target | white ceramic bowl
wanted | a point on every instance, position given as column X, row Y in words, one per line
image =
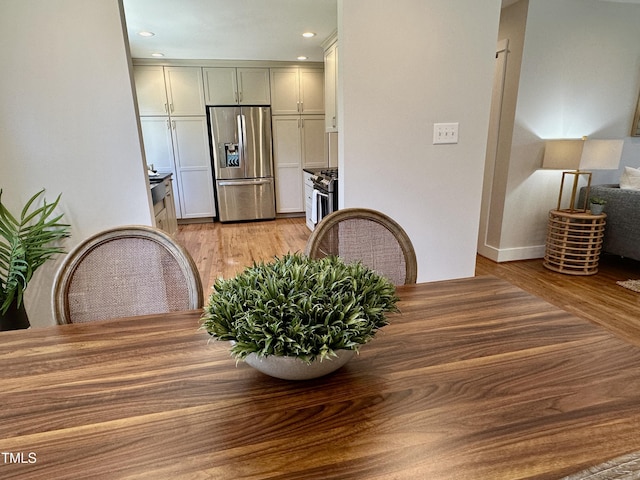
column 292, row 368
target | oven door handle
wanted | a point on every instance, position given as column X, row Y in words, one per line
column 315, row 205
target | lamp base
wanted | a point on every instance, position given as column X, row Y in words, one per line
column 574, row 189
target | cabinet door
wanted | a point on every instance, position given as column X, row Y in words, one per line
column 185, row 90
column 285, row 91
column 172, row 222
column 287, row 149
column 330, row 83
column 313, row 141
column 158, row 149
column 193, row 166
column 253, row 86
column 150, row 90
column 220, row 86
column 311, row 91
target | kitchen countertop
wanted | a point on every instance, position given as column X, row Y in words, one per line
column 156, row 185
column 158, row 178
column 314, row 170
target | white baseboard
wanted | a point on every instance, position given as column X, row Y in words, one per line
column 512, row 254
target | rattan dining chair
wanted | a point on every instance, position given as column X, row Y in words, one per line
column 369, row 236
column 123, row 272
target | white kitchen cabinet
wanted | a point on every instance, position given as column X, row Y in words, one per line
column 179, row 145
column 185, row 91
column 287, row 156
column 313, row 141
column 175, row 135
column 158, row 150
column 158, row 146
column 193, row 166
column 298, row 142
column 330, row 87
column 236, row 86
column 150, row 90
column 297, row 90
column 169, row 90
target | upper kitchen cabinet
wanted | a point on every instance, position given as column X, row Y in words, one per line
column 297, row 90
column 236, row 86
column 330, row 86
column 150, row 90
column 169, row 90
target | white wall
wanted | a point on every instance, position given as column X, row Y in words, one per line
column 405, row 65
column 580, row 75
column 68, row 121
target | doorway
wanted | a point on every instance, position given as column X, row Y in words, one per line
column 492, row 207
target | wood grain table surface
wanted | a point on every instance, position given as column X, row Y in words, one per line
column 474, row 379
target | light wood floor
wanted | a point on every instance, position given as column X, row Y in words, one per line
column 225, row 249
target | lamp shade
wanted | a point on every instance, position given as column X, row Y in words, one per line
column 581, row 154
column 601, row 155
column 562, row 154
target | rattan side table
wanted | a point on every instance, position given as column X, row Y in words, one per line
column 574, row 241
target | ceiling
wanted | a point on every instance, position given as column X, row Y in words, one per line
column 230, row 29
column 235, row 29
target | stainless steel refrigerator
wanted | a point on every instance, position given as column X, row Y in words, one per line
column 243, row 162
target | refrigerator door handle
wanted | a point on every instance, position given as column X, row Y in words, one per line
column 232, row 183
column 242, row 139
column 240, row 133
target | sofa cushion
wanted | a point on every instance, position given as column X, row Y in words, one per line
column 630, row 179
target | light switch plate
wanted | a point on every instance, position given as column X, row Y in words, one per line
column 445, row 133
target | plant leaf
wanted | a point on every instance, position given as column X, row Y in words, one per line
column 26, row 244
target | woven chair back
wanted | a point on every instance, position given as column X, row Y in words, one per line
column 368, row 236
column 124, row 272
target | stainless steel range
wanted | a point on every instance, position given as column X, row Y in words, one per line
column 325, row 193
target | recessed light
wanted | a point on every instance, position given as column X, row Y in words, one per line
column 146, row 34
column 308, row 34
column 302, row 57
column 157, row 54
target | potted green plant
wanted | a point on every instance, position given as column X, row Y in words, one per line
column 596, row 205
column 296, row 317
column 25, row 244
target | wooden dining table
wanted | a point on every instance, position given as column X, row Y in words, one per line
column 473, row 379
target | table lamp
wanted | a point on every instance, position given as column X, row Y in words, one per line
column 578, row 157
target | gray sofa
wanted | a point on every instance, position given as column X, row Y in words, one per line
column 622, row 230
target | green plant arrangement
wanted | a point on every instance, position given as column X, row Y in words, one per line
column 25, row 244
column 295, row 306
column 597, row 201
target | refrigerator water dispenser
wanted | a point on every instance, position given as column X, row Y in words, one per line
column 231, row 155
